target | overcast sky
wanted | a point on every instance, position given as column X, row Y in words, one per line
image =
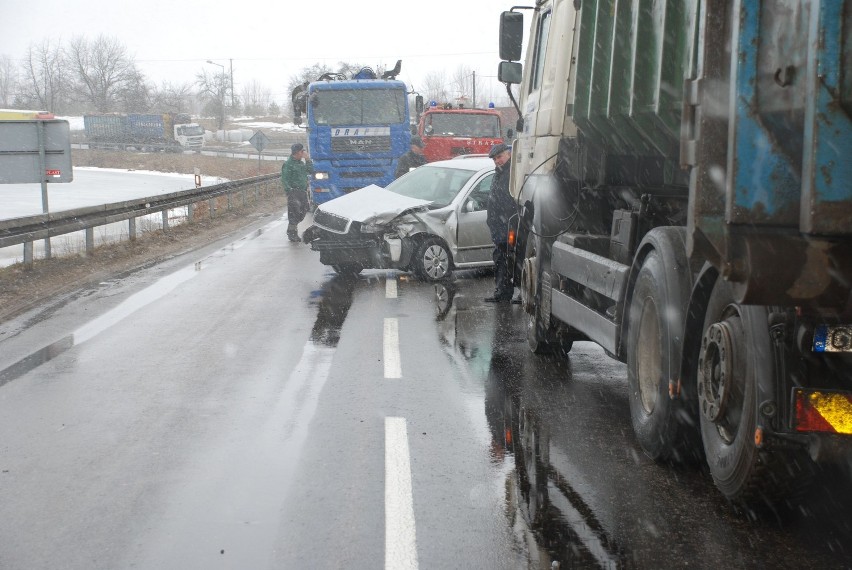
column 272, row 40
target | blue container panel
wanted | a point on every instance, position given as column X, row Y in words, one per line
column 789, row 166
column 146, row 126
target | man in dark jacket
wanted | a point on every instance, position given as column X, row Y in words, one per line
column 294, row 177
column 411, row 159
column 501, row 207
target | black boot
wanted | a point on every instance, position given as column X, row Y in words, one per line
column 292, row 234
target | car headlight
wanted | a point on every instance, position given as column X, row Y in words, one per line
column 369, row 228
column 321, row 176
column 404, row 229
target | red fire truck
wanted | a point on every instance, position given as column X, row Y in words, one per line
column 448, row 132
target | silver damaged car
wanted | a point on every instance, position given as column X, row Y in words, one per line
column 431, row 221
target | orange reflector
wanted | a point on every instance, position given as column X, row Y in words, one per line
column 758, row 437
column 511, row 240
column 823, row 411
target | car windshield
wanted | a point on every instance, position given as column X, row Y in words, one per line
column 437, row 184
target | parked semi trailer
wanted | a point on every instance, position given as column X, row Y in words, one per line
column 161, row 131
column 684, row 183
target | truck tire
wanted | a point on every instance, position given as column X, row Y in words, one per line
column 653, row 340
column 736, row 355
column 433, row 261
column 541, row 339
column 537, row 338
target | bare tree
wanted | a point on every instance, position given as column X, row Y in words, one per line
column 213, row 90
column 462, row 85
column 435, row 84
column 102, row 70
column 44, row 83
column 8, row 80
column 256, row 98
column 135, row 95
column 172, row 97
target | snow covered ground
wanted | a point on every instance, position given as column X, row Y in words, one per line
column 76, row 124
column 91, row 187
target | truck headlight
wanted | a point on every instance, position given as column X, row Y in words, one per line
column 320, row 175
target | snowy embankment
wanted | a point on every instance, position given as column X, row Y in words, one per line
column 93, row 187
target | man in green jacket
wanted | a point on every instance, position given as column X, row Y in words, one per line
column 294, row 177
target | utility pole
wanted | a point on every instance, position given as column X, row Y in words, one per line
column 474, row 90
column 232, row 82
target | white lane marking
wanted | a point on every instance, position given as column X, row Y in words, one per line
column 400, row 533
column 393, row 365
column 390, row 288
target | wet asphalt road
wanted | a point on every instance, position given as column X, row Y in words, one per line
column 246, row 408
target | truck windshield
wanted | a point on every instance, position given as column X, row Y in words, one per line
column 461, row 125
column 358, row 106
column 190, row 130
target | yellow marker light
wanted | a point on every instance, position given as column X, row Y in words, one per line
column 824, row 411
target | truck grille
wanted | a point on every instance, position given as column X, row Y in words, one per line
column 360, row 144
column 330, row 221
column 356, row 174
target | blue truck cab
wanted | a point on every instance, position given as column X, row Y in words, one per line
column 358, row 129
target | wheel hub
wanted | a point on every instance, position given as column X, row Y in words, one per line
column 435, row 262
column 715, row 370
column 528, row 283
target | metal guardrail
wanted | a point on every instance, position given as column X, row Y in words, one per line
column 26, row 230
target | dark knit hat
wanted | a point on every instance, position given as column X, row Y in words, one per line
column 298, row 147
column 497, row 149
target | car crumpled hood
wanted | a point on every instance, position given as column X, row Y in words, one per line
column 372, row 204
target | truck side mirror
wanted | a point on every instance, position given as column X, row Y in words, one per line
column 510, row 72
column 510, row 134
column 511, row 36
column 418, row 104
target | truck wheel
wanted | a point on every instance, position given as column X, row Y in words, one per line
column 737, row 355
column 653, row 347
column 531, row 300
column 432, row 262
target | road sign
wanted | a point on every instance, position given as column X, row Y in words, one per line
column 259, row 141
column 30, row 156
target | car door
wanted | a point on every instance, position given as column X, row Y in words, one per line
column 474, row 238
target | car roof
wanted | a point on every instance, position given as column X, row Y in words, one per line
column 477, row 163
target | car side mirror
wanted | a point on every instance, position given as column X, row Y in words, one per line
column 471, row 206
column 428, row 130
